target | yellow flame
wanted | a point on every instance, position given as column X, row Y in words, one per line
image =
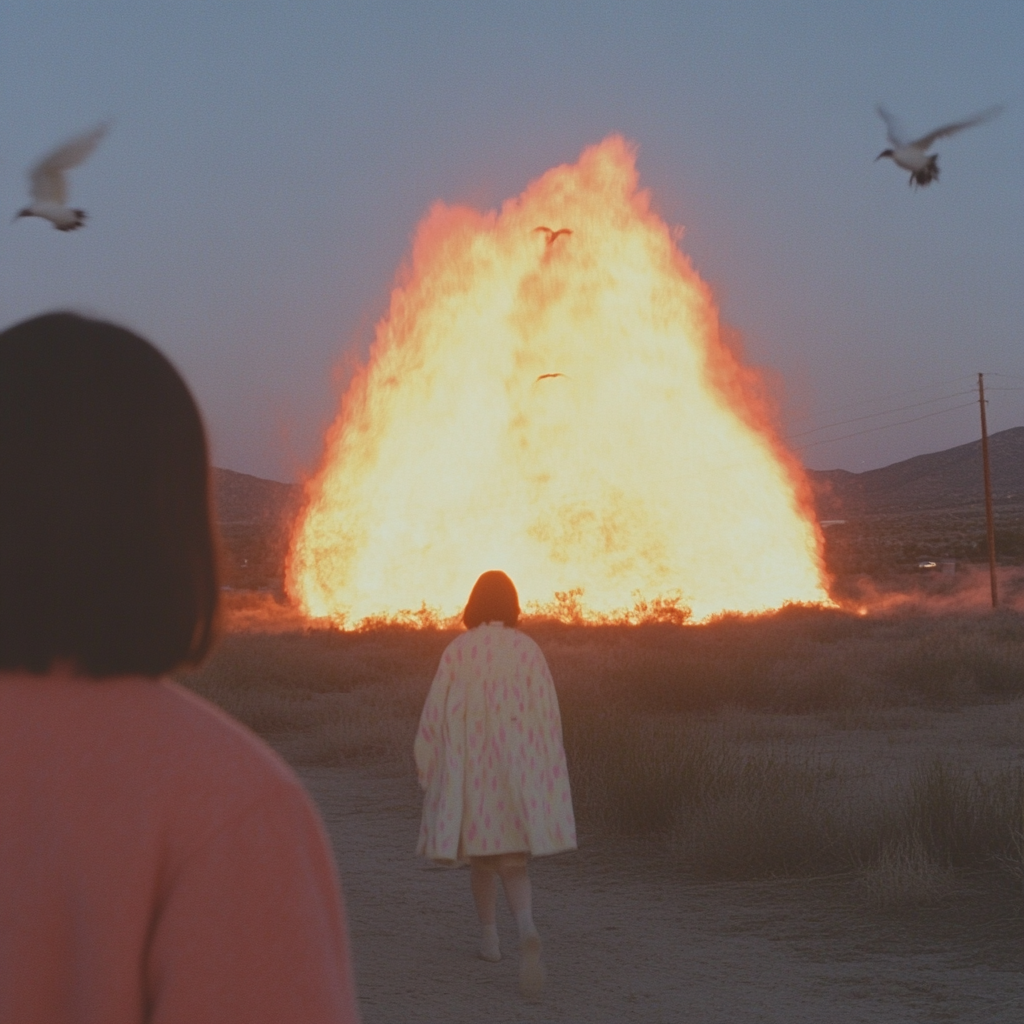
column 562, row 408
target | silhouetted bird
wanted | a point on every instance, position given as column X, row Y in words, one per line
column 914, row 156
column 48, row 184
column 552, row 234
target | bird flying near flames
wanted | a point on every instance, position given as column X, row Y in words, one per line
column 551, row 234
column 914, row 156
column 656, row 485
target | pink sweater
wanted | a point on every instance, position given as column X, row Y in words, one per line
column 157, row 863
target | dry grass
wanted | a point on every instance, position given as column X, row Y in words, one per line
column 795, row 660
column 727, row 806
column 319, row 698
column 905, row 875
column 703, row 740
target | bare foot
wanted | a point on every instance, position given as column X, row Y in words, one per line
column 489, row 948
column 531, row 970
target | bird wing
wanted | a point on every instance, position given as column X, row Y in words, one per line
column 957, row 126
column 46, row 179
column 893, row 129
column 926, row 140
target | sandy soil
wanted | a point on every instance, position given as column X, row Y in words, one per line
column 628, row 940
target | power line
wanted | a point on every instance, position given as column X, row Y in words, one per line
column 884, row 426
column 962, row 378
column 875, row 415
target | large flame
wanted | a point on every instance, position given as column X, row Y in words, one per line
column 562, row 408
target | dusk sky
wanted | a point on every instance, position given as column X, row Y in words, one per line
column 269, row 162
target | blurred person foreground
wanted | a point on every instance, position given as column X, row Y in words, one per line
column 157, row 861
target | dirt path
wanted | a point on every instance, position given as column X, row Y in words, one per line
column 625, row 942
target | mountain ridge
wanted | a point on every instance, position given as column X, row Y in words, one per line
column 877, row 521
column 948, row 479
column 244, row 498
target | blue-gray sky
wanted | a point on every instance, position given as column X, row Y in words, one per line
column 269, row 162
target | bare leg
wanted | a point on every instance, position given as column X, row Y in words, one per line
column 519, row 893
column 481, row 881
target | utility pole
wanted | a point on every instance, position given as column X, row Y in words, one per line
column 990, row 524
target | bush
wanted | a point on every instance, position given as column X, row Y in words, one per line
column 727, row 812
column 959, row 666
column 645, row 759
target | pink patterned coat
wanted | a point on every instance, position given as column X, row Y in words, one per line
column 489, row 752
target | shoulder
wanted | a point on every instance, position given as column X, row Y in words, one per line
column 142, row 726
column 459, row 642
column 460, row 647
column 141, row 754
column 210, row 744
column 522, row 645
column 506, row 643
column 216, row 775
column 193, row 756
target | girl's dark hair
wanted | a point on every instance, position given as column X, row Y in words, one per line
column 494, row 599
column 107, row 553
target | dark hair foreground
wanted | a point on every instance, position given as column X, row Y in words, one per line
column 493, row 599
column 107, row 557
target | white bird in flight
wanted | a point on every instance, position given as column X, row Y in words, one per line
column 48, row 183
column 914, row 156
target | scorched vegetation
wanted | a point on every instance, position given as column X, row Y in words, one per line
column 805, row 742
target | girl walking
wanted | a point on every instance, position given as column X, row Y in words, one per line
column 490, row 760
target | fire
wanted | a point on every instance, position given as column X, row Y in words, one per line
column 559, row 405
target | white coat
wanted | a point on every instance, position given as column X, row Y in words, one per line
column 489, row 752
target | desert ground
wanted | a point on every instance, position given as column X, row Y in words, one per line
column 625, row 940
column 801, row 818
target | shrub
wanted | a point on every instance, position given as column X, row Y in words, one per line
column 645, row 759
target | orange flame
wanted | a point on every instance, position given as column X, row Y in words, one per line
column 560, row 406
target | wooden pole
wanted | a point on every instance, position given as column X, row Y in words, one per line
column 989, row 522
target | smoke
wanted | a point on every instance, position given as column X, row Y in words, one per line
column 968, row 590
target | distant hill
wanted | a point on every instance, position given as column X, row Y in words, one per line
column 930, row 506
column 922, row 509
column 255, row 517
column 946, row 480
column 241, row 498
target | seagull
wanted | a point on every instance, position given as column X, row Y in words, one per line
column 914, row 156
column 48, row 184
column 552, row 235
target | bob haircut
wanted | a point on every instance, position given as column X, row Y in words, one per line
column 107, row 553
column 493, row 599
